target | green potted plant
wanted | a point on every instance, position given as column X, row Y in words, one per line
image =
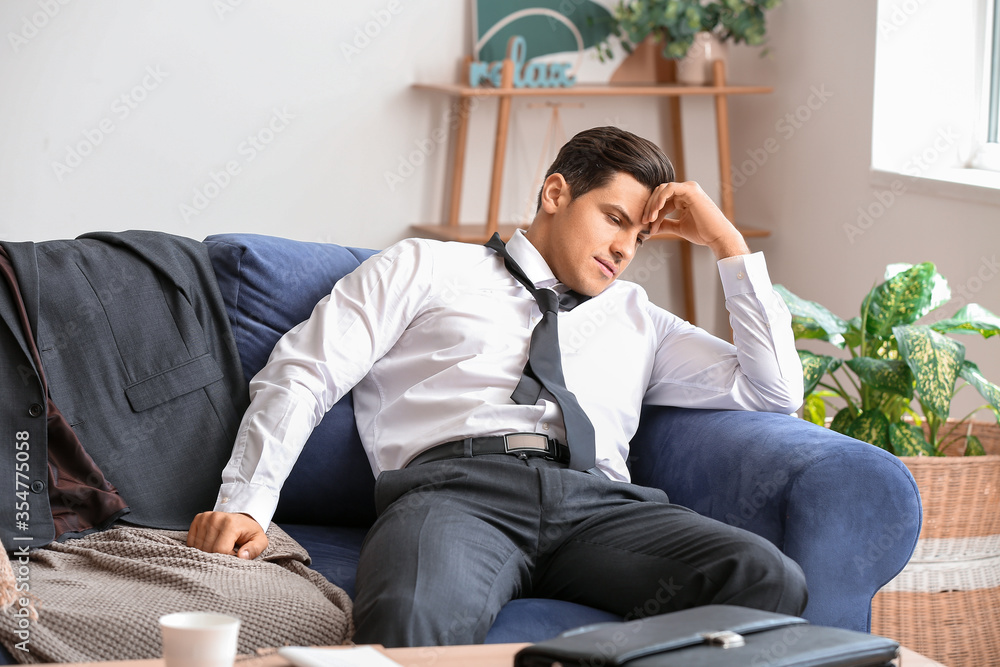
column 675, row 23
column 894, row 389
column 900, row 376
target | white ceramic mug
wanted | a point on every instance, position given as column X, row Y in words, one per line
column 199, row 639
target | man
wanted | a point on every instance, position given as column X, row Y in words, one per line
column 433, row 338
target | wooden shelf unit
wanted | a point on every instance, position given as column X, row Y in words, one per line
column 591, row 90
column 453, row 230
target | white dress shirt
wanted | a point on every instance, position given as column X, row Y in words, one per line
column 433, row 336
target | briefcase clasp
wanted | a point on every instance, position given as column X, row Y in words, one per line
column 724, row 639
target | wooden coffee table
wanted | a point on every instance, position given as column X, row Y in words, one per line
column 484, row 655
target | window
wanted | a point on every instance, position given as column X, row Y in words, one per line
column 994, row 78
column 935, row 104
column 988, row 156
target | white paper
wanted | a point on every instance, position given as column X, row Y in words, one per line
column 361, row 656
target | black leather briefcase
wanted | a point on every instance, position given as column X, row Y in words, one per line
column 711, row 636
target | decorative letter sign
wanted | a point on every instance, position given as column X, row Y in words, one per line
column 526, row 75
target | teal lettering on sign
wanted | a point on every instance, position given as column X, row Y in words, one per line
column 526, row 74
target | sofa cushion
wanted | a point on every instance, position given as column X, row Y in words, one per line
column 535, row 620
column 269, row 285
column 334, row 551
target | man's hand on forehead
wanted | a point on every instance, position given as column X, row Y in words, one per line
column 685, row 210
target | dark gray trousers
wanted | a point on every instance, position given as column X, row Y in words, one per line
column 455, row 540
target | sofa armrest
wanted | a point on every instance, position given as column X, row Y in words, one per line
column 847, row 512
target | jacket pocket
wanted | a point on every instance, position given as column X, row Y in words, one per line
column 171, row 383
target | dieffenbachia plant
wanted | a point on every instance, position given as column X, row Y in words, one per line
column 895, row 363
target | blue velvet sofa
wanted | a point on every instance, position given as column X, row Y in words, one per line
column 847, row 512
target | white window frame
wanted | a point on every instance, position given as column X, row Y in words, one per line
column 988, row 156
column 932, row 98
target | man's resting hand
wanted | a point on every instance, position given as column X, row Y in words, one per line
column 225, row 533
column 697, row 218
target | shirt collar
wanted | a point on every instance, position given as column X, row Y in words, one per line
column 531, row 261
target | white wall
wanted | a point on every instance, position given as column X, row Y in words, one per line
column 225, row 76
column 332, row 111
column 352, row 116
column 332, row 124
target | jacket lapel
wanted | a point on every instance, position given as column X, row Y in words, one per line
column 22, row 257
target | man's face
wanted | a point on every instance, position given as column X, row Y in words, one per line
column 588, row 241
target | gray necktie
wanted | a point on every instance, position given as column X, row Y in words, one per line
column 544, row 366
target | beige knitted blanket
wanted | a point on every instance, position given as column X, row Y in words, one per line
column 99, row 597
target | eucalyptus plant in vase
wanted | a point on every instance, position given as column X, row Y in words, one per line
column 675, row 23
column 896, row 387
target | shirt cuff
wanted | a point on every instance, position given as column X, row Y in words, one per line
column 743, row 274
column 255, row 500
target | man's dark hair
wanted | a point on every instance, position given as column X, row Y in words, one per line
column 592, row 158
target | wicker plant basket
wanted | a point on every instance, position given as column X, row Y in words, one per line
column 946, row 603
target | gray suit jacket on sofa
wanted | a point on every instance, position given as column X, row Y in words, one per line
column 139, row 357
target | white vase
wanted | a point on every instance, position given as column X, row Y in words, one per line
column 696, row 67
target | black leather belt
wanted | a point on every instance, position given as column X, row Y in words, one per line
column 521, row 445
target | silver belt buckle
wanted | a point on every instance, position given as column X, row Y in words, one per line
column 527, row 442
